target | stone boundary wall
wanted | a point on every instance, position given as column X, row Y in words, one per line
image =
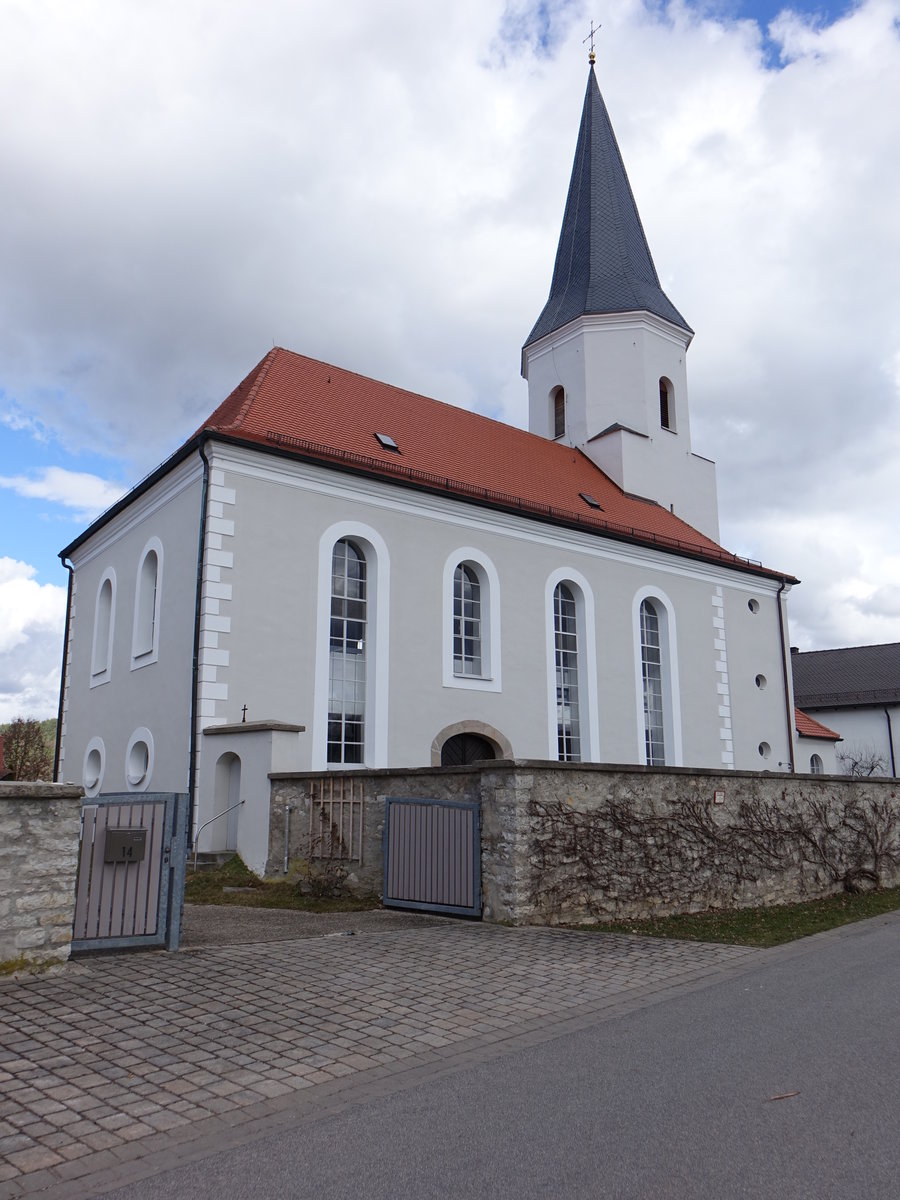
column 575, row 843
column 40, row 827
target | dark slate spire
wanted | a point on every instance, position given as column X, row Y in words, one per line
column 603, row 262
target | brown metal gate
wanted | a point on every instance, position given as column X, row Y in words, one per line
column 131, row 865
column 432, row 855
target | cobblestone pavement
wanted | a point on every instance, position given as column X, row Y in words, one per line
column 121, row 1058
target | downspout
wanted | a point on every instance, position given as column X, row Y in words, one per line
column 887, row 714
column 195, row 666
column 788, row 707
column 62, row 677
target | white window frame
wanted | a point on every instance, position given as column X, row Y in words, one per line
column 373, row 547
column 674, row 751
column 101, row 656
column 142, row 655
column 489, row 581
column 589, row 721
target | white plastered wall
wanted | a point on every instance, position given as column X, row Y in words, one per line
column 153, row 694
column 274, row 612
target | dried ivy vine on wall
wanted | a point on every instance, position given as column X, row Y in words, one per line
column 621, row 857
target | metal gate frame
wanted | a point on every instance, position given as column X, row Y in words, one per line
column 112, row 895
column 431, row 864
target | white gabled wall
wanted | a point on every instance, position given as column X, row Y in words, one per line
column 143, row 701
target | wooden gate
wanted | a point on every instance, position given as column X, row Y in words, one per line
column 130, row 888
column 432, row 855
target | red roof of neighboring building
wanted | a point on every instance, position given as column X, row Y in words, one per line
column 310, row 409
column 808, row 726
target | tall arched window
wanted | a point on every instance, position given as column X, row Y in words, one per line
column 666, row 404
column 558, row 399
column 816, row 766
column 347, row 655
column 148, row 591
column 651, row 670
column 470, row 650
column 565, row 635
column 104, row 615
column 466, row 621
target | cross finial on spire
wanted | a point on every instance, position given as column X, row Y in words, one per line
column 590, row 38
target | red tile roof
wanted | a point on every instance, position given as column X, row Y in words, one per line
column 313, row 410
column 808, row 726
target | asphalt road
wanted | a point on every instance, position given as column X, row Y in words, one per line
column 783, row 1082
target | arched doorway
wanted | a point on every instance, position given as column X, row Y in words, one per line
column 464, row 748
column 228, row 797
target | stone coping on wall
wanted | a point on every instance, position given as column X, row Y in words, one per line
column 255, row 727
column 24, row 790
column 530, row 764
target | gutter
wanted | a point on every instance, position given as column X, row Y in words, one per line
column 65, row 663
column 887, row 714
column 195, row 664
column 785, row 651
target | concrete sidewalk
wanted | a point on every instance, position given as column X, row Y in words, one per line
column 115, row 1067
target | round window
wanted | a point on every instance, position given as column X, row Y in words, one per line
column 139, row 760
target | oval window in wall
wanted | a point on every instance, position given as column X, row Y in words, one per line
column 139, row 760
column 94, row 766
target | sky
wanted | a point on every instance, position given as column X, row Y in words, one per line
column 186, row 183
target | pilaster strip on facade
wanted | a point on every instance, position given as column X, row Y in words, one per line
column 720, row 650
column 215, row 600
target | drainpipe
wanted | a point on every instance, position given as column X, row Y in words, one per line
column 788, row 707
column 195, row 667
column 62, row 678
column 887, row 715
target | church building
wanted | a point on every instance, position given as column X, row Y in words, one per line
column 335, row 573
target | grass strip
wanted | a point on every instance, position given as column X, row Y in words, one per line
column 214, row 885
column 763, row 926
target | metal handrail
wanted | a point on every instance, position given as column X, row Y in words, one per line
column 224, row 813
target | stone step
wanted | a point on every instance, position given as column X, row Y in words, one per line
column 207, row 860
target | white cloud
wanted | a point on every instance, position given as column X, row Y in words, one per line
column 88, row 494
column 189, row 183
column 32, row 616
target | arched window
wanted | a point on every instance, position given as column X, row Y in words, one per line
column 565, row 635
column 558, row 399
column 666, row 405
column 347, row 655
column 816, row 766
column 104, row 616
column 466, row 621
column 470, row 654
column 652, row 673
column 148, row 591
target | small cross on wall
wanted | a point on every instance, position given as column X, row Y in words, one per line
column 244, row 715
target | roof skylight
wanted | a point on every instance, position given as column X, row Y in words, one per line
column 387, row 442
column 590, row 501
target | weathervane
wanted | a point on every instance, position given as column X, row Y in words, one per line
column 590, row 38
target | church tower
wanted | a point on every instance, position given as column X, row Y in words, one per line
column 605, row 362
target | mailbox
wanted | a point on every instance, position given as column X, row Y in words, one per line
column 125, row 845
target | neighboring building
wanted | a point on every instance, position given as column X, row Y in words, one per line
column 816, row 747
column 334, row 572
column 856, row 690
